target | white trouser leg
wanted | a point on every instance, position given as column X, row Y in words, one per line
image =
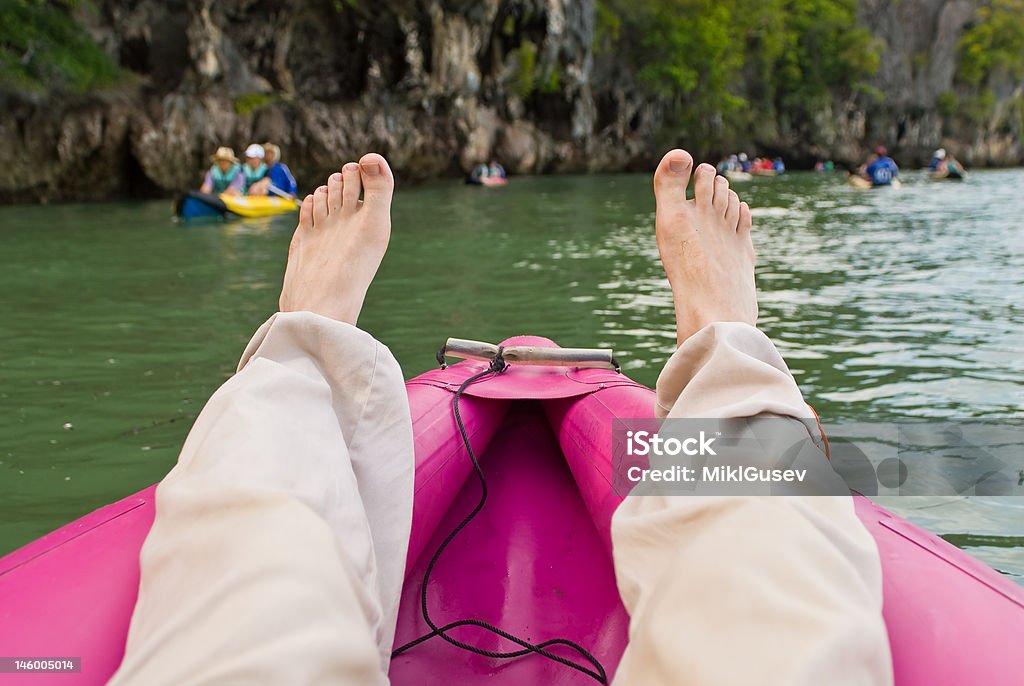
column 279, row 544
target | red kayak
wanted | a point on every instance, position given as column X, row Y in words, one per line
column 536, row 561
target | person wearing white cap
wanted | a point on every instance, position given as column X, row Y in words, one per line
column 279, row 180
column 254, row 168
column 937, row 157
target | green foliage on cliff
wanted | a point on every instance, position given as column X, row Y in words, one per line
column 994, row 45
column 526, row 56
column 727, row 63
column 947, row 103
column 42, row 49
column 250, row 102
column 978, row 109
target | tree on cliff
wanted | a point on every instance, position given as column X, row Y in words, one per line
column 730, row 67
column 43, row 50
column 991, row 59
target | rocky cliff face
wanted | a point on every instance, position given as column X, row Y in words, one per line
column 920, row 40
column 436, row 85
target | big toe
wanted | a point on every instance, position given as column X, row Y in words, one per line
column 671, row 179
column 378, row 181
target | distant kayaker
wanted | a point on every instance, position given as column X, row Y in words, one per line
column 495, row 170
column 225, row 176
column 946, row 166
column 279, row 179
column 279, row 546
column 479, row 173
column 277, row 171
column 881, row 170
column 490, row 174
column 255, row 168
column 954, row 168
column 730, row 163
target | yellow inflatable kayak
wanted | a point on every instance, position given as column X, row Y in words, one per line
column 196, row 204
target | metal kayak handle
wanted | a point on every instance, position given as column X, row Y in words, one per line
column 594, row 358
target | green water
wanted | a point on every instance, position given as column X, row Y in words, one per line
column 119, row 322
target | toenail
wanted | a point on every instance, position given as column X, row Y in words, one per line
column 676, row 166
column 371, row 168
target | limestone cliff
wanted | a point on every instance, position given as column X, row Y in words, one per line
column 436, row 85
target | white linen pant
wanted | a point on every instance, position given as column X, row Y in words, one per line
column 278, row 550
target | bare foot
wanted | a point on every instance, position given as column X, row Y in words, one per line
column 705, row 246
column 340, row 241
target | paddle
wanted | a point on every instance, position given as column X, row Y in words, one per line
column 284, row 194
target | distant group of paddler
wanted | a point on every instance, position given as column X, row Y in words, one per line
column 878, row 170
column 263, row 174
column 739, row 166
column 259, row 186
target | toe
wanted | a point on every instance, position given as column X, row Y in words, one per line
column 732, row 210
column 351, row 187
column 334, row 193
column 704, row 185
column 671, row 179
column 721, row 199
column 306, row 213
column 319, row 205
column 378, row 181
column 745, row 221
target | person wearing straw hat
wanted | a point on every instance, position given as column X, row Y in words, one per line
column 225, row 176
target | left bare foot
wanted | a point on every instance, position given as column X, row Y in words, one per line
column 340, row 241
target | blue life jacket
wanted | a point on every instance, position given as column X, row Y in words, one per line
column 282, row 179
column 882, row 171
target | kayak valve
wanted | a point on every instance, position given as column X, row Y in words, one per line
column 595, row 358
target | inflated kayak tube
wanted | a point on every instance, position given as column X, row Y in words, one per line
column 528, row 354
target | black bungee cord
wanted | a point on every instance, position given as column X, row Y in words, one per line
column 496, row 367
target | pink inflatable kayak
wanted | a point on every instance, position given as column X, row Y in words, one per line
column 535, row 562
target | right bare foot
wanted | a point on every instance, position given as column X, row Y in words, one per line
column 705, row 246
column 340, row 241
